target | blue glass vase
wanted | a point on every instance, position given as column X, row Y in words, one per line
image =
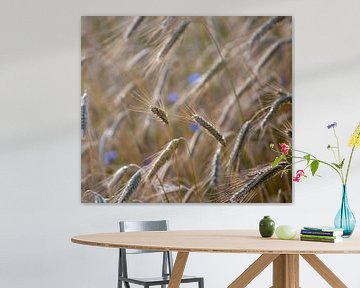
column 345, row 219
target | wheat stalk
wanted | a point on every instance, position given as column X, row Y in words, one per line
column 264, row 28
column 269, row 53
column 163, row 157
column 167, row 21
column 130, row 187
column 245, row 86
column 156, row 99
column 212, row 71
column 194, row 142
column 260, row 177
column 109, row 133
column 116, row 123
column 239, row 143
column 160, row 114
column 123, row 93
column 173, row 39
column 119, row 174
column 210, row 128
column 84, row 114
column 137, row 58
column 97, row 198
column 249, row 81
column 206, row 78
column 215, row 169
column 285, row 131
column 275, row 106
column 133, row 26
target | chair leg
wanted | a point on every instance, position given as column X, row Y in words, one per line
column 201, row 283
column 120, row 273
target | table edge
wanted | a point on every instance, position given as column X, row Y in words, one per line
column 203, row 250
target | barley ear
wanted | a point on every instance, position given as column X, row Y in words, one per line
column 133, row 26
column 264, row 28
column 164, row 156
column 210, row 128
column 245, row 193
column 238, row 145
column 275, row 106
column 130, row 187
column 215, row 170
column 84, row 114
column 173, row 39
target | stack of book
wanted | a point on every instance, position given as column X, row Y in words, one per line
column 321, row 234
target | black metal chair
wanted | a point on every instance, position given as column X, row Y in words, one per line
column 167, row 265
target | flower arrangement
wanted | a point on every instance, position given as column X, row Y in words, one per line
column 286, row 154
column 344, row 219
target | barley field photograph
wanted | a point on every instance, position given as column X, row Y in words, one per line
column 178, row 109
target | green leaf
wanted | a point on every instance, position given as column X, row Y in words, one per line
column 277, row 161
column 342, row 163
column 314, row 166
column 339, row 166
column 336, row 165
column 307, row 158
column 272, row 145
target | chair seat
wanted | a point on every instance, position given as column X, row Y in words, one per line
column 158, row 280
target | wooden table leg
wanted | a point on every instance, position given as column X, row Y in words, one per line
column 324, row 271
column 253, row 270
column 293, row 261
column 178, row 269
column 286, row 271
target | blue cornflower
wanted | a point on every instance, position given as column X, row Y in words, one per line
column 332, row 125
column 109, row 156
column 194, row 78
column 173, row 97
column 193, row 127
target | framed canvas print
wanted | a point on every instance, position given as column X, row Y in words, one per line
column 178, row 109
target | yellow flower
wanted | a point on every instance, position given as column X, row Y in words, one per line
column 355, row 138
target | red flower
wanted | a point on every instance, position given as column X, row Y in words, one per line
column 299, row 175
column 285, row 148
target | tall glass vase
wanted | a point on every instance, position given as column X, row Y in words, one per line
column 345, row 219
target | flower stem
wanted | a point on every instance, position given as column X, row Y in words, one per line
column 337, row 145
column 339, row 155
column 323, row 162
column 348, row 167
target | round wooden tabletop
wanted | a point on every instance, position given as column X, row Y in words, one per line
column 220, row 241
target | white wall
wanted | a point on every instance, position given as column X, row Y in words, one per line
column 40, row 147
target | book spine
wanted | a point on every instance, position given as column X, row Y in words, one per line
column 319, row 233
column 317, row 240
column 318, row 236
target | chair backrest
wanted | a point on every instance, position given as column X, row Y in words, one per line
column 138, row 226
